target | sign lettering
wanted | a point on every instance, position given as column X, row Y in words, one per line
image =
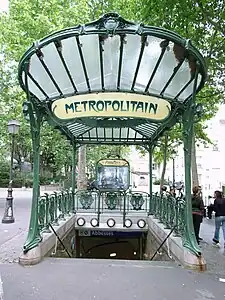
column 111, row 105
column 110, row 162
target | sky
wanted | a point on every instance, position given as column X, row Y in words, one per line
column 3, row 5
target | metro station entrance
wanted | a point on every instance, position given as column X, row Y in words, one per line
column 109, row 244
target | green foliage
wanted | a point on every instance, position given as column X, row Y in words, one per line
column 28, row 20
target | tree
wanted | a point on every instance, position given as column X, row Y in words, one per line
column 203, row 23
column 26, row 22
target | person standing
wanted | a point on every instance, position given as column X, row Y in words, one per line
column 219, row 208
column 197, row 211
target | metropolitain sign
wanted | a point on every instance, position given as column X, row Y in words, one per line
column 111, row 105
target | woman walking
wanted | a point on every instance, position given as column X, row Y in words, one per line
column 197, row 211
column 219, row 208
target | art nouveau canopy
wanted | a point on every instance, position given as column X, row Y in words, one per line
column 112, row 81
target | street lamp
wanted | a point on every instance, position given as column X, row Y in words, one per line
column 13, row 128
column 173, row 158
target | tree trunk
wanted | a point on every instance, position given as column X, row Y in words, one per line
column 164, row 161
column 194, row 170
column 82, row 179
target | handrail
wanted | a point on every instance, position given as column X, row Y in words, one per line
column 53, row 208
column 56, row 206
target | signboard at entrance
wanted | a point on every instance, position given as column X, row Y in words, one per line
column 111, row 105
column 113, row 162
column 113, row 174
column 100, row 233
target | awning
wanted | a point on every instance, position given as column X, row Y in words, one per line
column 112, row 81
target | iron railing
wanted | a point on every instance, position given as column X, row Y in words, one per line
column 168, row 210
column 54, row 207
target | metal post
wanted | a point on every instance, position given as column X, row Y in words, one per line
column 173, row 172
column 150, row 153
column 8, row 215
column 34, row 237
column 150, row 169
column 73, row 174
column 188, row 122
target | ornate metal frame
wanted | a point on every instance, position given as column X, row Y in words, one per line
column 146, row 132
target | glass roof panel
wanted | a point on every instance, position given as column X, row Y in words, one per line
column 89, row 46
column 55, row 66
column 40, row 75
column 164, row 71
column 72, row 58
column 189, row 89
column 116, row 57
column 132, row 45
column 110, row 47
column 151, row 53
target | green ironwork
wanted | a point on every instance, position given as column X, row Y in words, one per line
column 150, row 155
column 34, row 236
column 85, row 198
column 53, row 208
column 94, row 77
column 73, row 173
column 188, row 124
column 112, row 200
column 137, row 201
column 121, row 97
column 170, row 211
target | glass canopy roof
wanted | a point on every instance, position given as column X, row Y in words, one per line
column 112, row 81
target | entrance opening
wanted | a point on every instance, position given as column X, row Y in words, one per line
column 129, row 248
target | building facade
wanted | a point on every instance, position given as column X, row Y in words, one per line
column 210, row 161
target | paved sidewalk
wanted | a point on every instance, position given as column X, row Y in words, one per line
column 13, row 236
column 215, row 257
column 87, row 279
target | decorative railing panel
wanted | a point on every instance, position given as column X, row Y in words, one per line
column 57, row 206
column 169, row 210
column 54, row 207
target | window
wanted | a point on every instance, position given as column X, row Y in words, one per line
column 154, row 166
column 199, row 166
column 215, row 147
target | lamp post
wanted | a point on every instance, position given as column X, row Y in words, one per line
column 13, row 128
column 173, row 158
column 23, row 173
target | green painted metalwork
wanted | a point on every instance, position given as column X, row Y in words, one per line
column 170, row 212
column 50, row 87
column 44, row 86
column 73, row 173
column 34, row 236
column 112, row 200
column 188, row 123
column 85, row 198
column 53, row 208
column 137, row 201
column 150, row 155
